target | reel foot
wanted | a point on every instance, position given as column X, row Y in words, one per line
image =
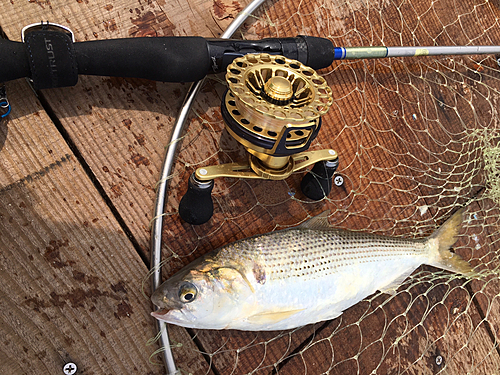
column 196, row 206
column 317, row 183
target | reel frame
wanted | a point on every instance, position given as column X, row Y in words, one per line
column 273, row 107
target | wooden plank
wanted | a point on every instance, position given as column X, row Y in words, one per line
column 124, row 151
column 71, row 280
column 121, row 126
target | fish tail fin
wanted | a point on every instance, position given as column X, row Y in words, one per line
column 442, row 240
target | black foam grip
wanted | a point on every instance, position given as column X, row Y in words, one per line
column 13, row 61
column 167, row 59
column 319, row 52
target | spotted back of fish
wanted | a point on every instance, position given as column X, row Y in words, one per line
column 310, row 254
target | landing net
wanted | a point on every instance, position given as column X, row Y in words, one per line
column 417, row 138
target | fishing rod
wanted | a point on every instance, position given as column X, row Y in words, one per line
column 49, row 56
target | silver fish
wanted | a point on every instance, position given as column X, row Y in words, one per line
column 297, row 276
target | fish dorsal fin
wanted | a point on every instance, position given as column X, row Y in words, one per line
column 271, row 317
column 318, row 222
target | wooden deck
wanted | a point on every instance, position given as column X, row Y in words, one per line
column 79, row 166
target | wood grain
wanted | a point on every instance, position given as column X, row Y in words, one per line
column 71, row 280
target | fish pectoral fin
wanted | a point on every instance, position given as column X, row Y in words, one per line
column 394, row 284
column 272, row 316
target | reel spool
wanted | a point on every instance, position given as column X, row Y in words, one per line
column 273, row 107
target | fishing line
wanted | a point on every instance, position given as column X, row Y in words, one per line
column 151, row 271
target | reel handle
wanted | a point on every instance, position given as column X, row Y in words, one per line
column 317, row 183
column 196, row 206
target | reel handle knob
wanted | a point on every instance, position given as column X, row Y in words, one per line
column 317, row 183
column 196, row 206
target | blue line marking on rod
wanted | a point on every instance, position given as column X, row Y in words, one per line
column 338, row 53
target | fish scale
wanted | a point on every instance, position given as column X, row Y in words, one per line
column 311, row 254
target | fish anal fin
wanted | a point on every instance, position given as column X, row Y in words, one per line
column 271, row 317
column 395, row 284
column 318, row 222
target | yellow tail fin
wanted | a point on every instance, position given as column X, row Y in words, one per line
column 444, row 238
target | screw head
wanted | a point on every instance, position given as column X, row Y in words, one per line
column 338, row 180
column 439, row 360
column 69, row 368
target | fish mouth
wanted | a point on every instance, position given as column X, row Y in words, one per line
column 160, row 314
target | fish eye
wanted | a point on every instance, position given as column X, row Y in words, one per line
column 187, row 292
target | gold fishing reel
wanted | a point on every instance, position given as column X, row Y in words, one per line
column 273, row 107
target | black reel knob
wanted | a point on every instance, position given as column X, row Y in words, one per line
column 196, row 206
column 317, row 183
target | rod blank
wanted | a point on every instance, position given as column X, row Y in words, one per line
column 377, row 52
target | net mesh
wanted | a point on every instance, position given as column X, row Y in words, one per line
column 417, row 138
